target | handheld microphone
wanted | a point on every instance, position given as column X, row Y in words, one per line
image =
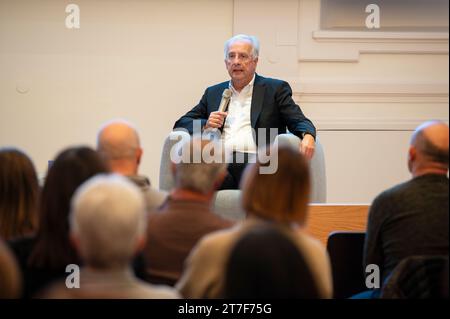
column 225, row 100
column 214, row 133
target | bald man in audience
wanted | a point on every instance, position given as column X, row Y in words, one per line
column 412, row 218
column 118, row 142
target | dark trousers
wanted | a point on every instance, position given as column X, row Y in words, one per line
column 236, row 169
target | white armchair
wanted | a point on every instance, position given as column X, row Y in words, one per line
column 227, row 202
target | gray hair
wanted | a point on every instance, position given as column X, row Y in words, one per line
column 243, row 38
column 203, row 162
column 119, row 147
column 108, row 218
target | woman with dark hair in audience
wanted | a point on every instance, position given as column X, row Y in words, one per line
column 19, row 193
column 10, row 277
column 44, row 257
column 265, row 263
column 279, row 197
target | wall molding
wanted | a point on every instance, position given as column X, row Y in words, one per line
column 401, row 104
column 380, row 37
column 370, row 92
column 371, row 124
column 373, row 98
column 318, row 45
column 353, row 44
column 331, row 46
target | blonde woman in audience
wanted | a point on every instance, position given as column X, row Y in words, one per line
column 108, row 222
column 280, row 198
column 19, row 194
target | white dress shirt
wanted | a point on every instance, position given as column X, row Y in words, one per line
column 237, row 131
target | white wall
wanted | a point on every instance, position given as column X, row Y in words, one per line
column 366, row 91
column 149, row 61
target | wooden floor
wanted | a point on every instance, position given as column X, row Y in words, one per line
column 326, row 218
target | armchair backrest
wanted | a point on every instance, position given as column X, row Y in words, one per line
column 165, row 175
column 318, row 173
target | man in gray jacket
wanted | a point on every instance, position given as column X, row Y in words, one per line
column 412, row 218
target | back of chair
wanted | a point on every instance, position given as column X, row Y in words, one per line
column 165, row 175
column 230, row 199
column 318, row 171
column 227, row 203
column 346, row 256
column 418, row 277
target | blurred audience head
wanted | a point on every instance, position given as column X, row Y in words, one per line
column 70, row 169
column 428, row 152
column 282, row 196
column 108, row 221
column 10, row 276
column 265, row 263
column 118, row 142
column 19, row 194
column 202, row 167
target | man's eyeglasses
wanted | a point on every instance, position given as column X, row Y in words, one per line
column 243, row 57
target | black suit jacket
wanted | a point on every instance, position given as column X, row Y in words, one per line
column 272, row 107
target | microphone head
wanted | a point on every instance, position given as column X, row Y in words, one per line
column 226, row 93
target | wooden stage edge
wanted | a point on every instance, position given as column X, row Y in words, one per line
column 324, row 219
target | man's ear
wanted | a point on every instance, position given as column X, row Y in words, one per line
column 139, row 153
column 140, row 244
column 412, row 154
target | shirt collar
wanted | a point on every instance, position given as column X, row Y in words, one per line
column 247, row 88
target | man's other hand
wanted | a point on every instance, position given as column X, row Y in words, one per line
column 307, row 146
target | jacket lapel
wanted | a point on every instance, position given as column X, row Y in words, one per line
column 257, row 100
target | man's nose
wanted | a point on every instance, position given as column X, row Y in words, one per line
column 236, row 61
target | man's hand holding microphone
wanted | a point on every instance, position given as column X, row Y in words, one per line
column 217, row 118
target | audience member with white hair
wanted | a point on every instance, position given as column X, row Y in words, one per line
column 108, row 222
column 118, row 142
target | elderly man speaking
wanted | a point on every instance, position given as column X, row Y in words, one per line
column 248, row 109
